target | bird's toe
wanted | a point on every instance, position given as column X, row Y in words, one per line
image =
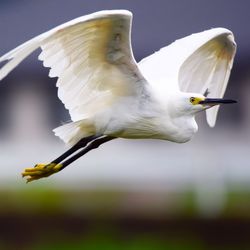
column 40, row 171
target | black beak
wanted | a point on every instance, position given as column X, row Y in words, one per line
column 216, row 101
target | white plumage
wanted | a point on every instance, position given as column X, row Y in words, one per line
column 108, row 93
column 197, row 63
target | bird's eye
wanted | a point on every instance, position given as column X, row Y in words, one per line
column 192, row 99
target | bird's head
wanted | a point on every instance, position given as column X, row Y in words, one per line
column 192, row 103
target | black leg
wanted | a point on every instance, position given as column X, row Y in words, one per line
column 45, row 170
column 92, row 145
column 80, row 144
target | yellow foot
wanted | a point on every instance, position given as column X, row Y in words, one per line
column 41, row 171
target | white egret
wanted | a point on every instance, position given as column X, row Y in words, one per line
column 109, row 95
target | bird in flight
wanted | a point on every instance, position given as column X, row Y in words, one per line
column 109, row 95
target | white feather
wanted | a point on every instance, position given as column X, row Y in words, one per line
column 90, row 55
column 197, row 63
column 100, row 83
column 72, row 132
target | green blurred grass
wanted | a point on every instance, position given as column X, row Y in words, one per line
column 43, row 217
column 51, row 200
column 109, row 244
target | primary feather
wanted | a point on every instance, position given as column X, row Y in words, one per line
column 92, row 58
column 94, row 63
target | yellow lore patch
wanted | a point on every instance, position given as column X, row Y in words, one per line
column 196, row 100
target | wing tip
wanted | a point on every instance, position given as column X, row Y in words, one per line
column 211, row 115
column 220, row 31
column 211, row 123
column 112, row 12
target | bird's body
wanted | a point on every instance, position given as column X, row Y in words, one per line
column 109, row 95
column 150, row 116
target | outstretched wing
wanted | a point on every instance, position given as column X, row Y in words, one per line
column 200, row 63
column 92, row 58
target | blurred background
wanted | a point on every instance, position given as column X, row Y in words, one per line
column 140, row 194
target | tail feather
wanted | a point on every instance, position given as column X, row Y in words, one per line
column 72, row 132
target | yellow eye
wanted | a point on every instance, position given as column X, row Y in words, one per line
column 192, row 100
